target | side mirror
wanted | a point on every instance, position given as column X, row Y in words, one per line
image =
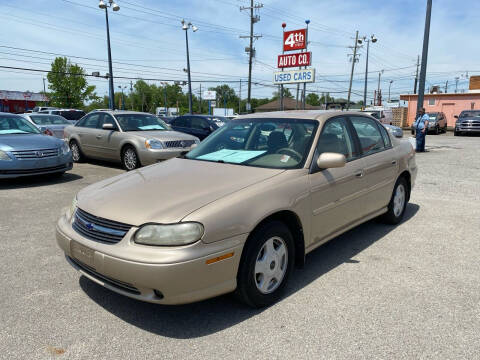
column 331, row 160
column 108, row 127
column 456, row 116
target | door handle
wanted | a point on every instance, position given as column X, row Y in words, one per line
column 394, row 162
column 359, row 174
column 99, row 136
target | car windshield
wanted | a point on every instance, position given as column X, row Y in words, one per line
column 16, row 125
column 432, row 116
column 269, row 143
column 140, row 122
column 465, row 114
column 49, row 120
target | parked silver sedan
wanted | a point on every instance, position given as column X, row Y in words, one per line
column 49, row 124
column 133, row 138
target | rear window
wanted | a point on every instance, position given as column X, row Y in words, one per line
column 71, row 115
column 49, row 120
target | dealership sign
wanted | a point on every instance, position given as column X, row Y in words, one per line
column 294, row 60
column 295, row 40
column 209, row 95
column 294, row 76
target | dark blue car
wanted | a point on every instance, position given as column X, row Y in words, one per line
column 25, row 151
column 197, row 125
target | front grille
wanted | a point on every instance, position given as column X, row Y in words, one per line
column 35, row 154
column 99, row 229
column 179, row 143
column 113, row 282
column 32, row 171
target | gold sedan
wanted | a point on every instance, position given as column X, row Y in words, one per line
column 240, row 210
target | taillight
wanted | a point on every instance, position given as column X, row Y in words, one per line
column 48, row 132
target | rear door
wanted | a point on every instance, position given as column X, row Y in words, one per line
column 182, row 124
column 337, row 194
column 381, row 164
column 200, row 127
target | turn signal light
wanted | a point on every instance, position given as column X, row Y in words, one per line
column 219, row 258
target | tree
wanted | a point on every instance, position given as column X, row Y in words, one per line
column 313, row 99
column 286, row 94
column 226, row 97
column 69, row 85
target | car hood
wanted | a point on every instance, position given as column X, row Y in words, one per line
column 167, row 192
column 28, row 142
column 163, row 135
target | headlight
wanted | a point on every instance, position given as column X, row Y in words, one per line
column 170, row 234
column 153, row 144
column 4, row 156
column 65, row 148
column 72, row 209
column 197, row 141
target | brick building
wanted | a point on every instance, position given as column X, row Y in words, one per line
column 19, row 101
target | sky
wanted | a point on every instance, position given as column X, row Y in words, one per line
column 149, row 43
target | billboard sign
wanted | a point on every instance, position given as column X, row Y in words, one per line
column 209, row 95
column 294, row 60
column 294, row 76
column 295, row 40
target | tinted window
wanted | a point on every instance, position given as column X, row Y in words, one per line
column 371, row 140
column 469, row 114
column 71, row 115
column 49, row 120
column 336, row 138
column 181, row 121
column 199, row 123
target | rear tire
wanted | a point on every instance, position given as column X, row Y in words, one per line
column 398, row 203
column 437, row 130
column 266, row 264
column 130, row 159
column 77, row 154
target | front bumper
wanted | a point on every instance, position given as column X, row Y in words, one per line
column 152, row 156
column 17, row 168
column 163, row 275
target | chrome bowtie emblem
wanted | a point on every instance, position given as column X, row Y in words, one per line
column 39, row 154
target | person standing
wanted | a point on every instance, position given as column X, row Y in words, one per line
column 421, row 125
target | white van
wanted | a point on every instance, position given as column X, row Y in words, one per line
column 384, row 115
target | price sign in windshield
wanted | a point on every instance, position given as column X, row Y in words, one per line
column 295, row 40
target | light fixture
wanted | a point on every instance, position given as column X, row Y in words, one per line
column 374, row 39
column 194, row 28
column 102, row 5
column 115, row 7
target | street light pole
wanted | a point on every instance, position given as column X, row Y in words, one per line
column 373, row 39
column 423, row 68
column 379, row 102
column 44, row 93
column 185, row 27
column 111, row 91
column 389, row 86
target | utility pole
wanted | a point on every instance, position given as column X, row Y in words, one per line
column 298, row 90
column 240, row 98
column 446, row 87
column 389, row 86
column 354, row 59
column 423, row 71
column 250, row 49
column 416, row 76
column 373, row 39
column 456, row 84
column 131, row 98
column 305, row 84
column 200, row 104
column 379, row 100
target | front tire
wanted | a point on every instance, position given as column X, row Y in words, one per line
column 437, row 130
column 267, row 262
column 77, row 154
column 398, row 203
column 130, row 159
column 456, row 133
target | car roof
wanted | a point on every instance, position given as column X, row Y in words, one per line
column 118, row 112
column 319, row 115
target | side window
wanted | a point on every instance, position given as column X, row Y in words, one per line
column 180, row 121
column 386, row 137
column 336, row 138
column 89, row 121
column 371, row 140
column 107, row 119
column 199, row 123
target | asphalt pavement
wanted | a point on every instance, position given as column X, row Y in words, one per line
column 410, row 291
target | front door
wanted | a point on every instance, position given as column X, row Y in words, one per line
column 107, row 142
column 337, row 193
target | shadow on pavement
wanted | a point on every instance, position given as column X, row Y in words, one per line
column 37, row 180
column 213, row 315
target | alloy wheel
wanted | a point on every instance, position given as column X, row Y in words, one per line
column 130, row 159
column 75, row 151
